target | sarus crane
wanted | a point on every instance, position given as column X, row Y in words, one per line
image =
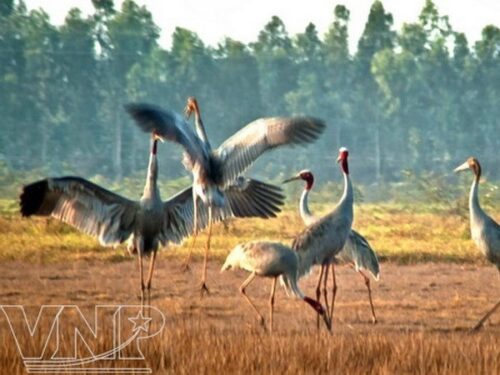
column 273, row 260
column 148, row 223
column 485, row 232
column 213, row 170
column 320, row 242
column 356, row 251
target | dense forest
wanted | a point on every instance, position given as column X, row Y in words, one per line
column 420, row 99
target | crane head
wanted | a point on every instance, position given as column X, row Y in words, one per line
column 471, row 163
column 343, row 154
column 320, row 310
column 305, row 175
column 342, row 159
column 191, row 106
column 156, row 137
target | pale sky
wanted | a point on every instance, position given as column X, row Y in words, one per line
column 212, row 20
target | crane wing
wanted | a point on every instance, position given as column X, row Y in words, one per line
column 82, row 204
column 253, row 198
column 238, row 152
column 171, row 126
column 246, row 198
column 357, row 249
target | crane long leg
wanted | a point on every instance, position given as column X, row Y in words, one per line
column 325, row 291
column 318, row 291
column 486, row 316
column 271, row 304
column 242, row 291
column 141, row 275
column 204, row 288
column 334, row 292
column 185, row 265
column 150, row 277
column 367, row 283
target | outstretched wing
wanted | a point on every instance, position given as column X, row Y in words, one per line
column 82, row 204
column 171, row 126
column 253, row 198
column 246, row 198
column 238, row 152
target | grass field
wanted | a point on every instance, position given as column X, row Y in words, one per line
column 434, row 285
column 424, row 310
column 398, row 233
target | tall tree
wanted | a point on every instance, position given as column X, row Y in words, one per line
column 128, row 38
column 277, row 69
column 43, row 75
column 237, row 86
column 80, row 104
column 377, row 36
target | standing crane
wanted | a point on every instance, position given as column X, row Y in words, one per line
column 356, row 251
column 270, row 259
column 484, row 230
column 320, row 242
column 213, row 170
column 147, row 223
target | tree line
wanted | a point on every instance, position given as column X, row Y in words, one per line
column 421, row 98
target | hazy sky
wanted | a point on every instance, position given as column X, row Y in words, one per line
column 242, row 20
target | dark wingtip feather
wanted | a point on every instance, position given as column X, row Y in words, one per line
column 31, row 197
column 312, row 129
column 146, row 116
column 267, row 198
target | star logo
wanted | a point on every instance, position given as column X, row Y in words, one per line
column 140, row 322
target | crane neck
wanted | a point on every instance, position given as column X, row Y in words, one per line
column 476, row 212
column 305, row 213
column 151, row 190
column 347, row 195
column 344, row 166
column 200, row 127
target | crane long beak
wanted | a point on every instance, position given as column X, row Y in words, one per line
column 462, row 167
column 291, row 179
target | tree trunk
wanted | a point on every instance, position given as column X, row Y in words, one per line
column 378, row 161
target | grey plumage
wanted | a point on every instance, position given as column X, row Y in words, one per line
column 356, row 249
column 485, row 232
column 148, row 223
column 324, row 238
column 214, row 170
column 270, row 259
column 113, row 219
column 237, row 153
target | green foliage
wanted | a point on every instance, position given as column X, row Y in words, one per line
column 421, row 98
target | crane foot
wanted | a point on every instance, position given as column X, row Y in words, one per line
column 477, row 327
column 204, row 289
column 374, row 320
column 185, row 267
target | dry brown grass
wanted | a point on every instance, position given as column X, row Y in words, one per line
column 198, row 348
column 424, row 312
column 424, row 308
